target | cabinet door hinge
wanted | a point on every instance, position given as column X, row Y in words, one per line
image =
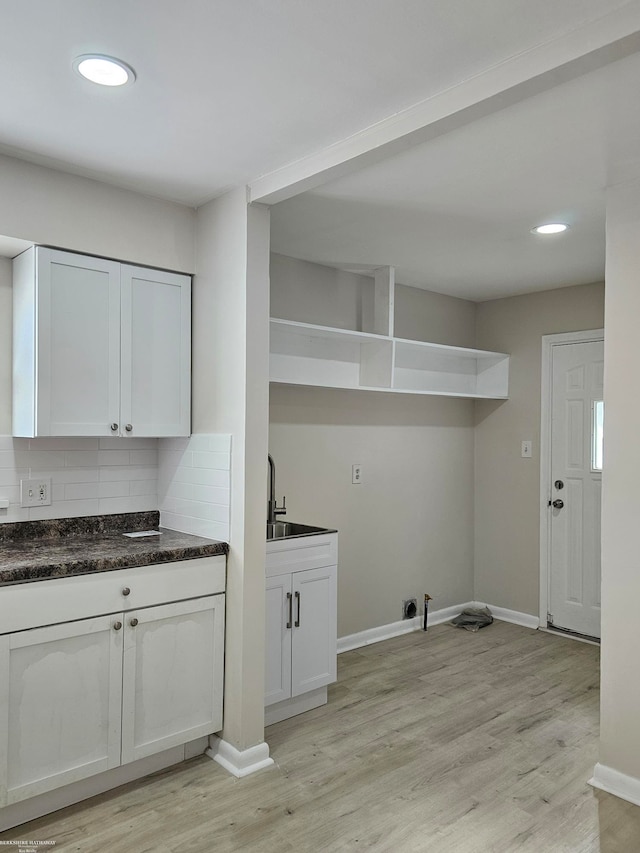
column 549, row 618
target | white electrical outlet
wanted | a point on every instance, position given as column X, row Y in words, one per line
column 35, row 492
column 356, row 474
column 526, row 449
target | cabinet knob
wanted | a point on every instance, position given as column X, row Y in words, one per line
column 126, row 591
column 117, row 626
column 133, row 622
column 114, row 427
column 128, row 427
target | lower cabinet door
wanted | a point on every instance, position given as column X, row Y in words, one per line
column 60, row 705
column 173, row 675
column 279, row 610
column 313, row 641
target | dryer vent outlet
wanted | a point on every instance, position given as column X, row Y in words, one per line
column 409, row 608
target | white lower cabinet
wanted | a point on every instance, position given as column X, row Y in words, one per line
column 60, row 701
column 85, row 696
column 170, row 685
column 278, row 640
column 301, row 638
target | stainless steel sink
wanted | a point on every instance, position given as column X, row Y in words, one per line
column 289, row 529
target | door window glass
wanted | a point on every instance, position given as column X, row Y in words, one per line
column 597, row 435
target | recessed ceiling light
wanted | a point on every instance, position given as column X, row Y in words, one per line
column 104, row 70
column 550, row 228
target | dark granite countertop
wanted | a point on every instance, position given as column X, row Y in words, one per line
column 39, row 550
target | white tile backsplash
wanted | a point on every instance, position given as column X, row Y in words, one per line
column 212, row 459
column 198, row 527
column 187, row 479
column 194, row 480
column 81, row 491
column 89, row 476
column 81, row 458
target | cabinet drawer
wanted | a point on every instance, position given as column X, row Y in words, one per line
column 303, row 552
column 30, row 605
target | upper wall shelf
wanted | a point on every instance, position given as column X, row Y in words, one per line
column 305, row 354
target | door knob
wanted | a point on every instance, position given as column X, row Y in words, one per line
column 128, row 427
column 114, row 427
column 558, row 504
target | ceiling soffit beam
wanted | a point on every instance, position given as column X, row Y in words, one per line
column 592, row 46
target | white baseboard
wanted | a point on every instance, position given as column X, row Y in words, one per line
column 397, row 629
column 436, row 617
column 616, row 783
column 239, row 762
column 514, row 616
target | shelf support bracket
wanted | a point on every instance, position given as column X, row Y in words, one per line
column 383, row 301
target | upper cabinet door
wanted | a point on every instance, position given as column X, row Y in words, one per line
column 156, row 352
column 79, row 337
column 66, row 344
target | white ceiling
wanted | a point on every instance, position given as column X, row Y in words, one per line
column 229, row 91
column 454, row 215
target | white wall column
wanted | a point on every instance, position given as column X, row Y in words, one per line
column 230, row 395
column 619, row 767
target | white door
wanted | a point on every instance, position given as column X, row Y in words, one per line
column 60, row 705
column 172, row 679
column 314, row 639
column 279, row 623
column 78, row 344
column 156, row 352
column 576, row 486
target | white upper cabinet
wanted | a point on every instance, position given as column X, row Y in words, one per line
column 100, row 348
column 155, row 368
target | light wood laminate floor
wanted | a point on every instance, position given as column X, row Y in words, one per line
column 447, row 742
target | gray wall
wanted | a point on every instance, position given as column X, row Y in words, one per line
column 313, row 293
column 447, row 505
column 407, row 528
column 507, row 487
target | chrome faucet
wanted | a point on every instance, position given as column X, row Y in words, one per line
column 273, row 509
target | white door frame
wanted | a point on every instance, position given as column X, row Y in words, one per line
column 548, row 342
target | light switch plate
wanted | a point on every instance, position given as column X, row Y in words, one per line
column 526, row 449
column 356, row 474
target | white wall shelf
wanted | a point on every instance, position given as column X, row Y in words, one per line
column 306, row 354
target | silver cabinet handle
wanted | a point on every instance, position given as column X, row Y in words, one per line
column 114, row 427
column 128, row 427
column 297, row 622
column 126, row 591
column 290, row 602
column 117, row 626
column 133, row 622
